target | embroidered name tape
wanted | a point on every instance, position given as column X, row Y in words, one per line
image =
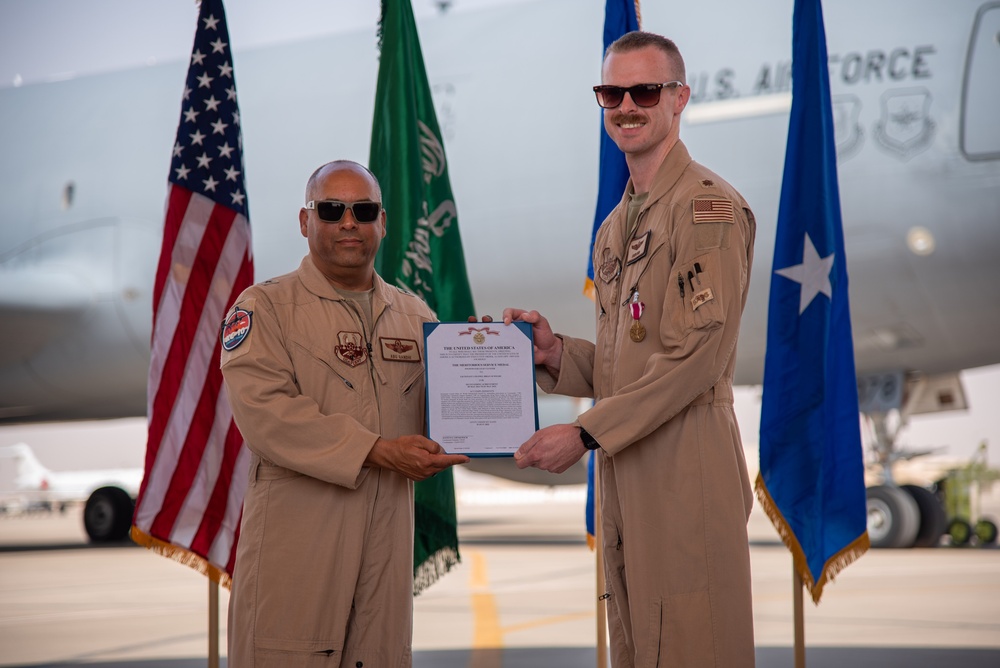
column 637, row 248
column 399, row 350
column 701, row 298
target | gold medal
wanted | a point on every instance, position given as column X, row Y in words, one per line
column 638, row 332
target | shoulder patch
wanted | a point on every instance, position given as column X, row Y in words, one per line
column 712, row 210
column 707, row 183
column 236, row 328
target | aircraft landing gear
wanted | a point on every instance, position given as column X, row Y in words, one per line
column 893, row 517
column 107, row 516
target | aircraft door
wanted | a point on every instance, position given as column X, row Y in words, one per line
column 979, row 134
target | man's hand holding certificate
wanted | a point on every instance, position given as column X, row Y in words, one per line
column 480, row 387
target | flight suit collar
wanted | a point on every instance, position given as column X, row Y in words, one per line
column 667, row 175
column 318, row 284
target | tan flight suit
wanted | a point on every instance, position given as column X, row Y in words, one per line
column 675, row 491
column 324, row 567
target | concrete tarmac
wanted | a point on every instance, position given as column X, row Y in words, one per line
column 524, row 595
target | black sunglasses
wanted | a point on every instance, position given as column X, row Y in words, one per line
column 644, row 95
column 331, row 210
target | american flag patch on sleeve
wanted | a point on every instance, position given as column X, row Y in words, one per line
column 713, row 211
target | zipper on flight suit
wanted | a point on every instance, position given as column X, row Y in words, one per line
column 635, row 286
column 613, row 350
column 373, row 371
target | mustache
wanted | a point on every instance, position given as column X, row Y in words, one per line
column 628, row 118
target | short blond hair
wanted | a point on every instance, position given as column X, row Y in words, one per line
column 638, row 39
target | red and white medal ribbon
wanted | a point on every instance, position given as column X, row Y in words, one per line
column 637, row 307
column 637, row 333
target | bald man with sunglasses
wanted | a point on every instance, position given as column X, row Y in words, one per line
column 672, row 264
column 324, row 372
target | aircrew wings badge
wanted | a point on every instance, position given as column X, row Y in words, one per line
column 236, row 328
column 399, row 350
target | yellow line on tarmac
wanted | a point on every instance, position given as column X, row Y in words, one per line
column 486, row 632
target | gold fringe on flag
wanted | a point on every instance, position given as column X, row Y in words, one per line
column 638, row 15
column 182, row 556
column 833, row 566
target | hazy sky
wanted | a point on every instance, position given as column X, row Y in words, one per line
column 45, row 39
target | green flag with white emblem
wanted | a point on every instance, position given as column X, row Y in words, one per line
column 422, row 252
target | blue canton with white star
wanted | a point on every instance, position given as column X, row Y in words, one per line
column 207, row 155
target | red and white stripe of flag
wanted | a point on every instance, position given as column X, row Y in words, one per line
column 191, row 499
column 713, row 211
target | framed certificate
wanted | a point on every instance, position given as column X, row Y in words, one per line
column 481, row 397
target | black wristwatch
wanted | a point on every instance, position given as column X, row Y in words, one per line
column 589, row 441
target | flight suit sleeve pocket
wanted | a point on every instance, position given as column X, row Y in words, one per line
column 702, row 303
column 713, row 222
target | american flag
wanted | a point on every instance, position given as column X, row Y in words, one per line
column 713, row 211
column 191, row 499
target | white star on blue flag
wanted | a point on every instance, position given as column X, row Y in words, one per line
column 205, row 123
column 813, row 274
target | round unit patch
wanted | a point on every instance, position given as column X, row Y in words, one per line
column 235, row 329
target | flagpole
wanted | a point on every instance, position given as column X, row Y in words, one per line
column 213, row 623
column 602, row 610
column 800, row 627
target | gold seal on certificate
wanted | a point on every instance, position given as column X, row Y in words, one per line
column 481, row 397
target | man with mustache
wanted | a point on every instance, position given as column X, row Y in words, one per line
column 672, row 264
column 324, row 371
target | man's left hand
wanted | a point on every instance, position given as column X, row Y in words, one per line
column 553, row 449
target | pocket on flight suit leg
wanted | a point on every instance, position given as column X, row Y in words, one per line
column 685, row 635
column 272, row 653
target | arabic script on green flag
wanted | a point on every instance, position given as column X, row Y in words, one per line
column 423, row 251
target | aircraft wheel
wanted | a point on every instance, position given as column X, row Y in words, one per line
column 108, row 515
column 986, row 532
column 960, row 532
column 933, row 520
column 893, row 517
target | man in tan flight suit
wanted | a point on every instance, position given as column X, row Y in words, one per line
column 324, row 371
column 672, row 263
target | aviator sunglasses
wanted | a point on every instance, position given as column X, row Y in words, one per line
column 644, row 95
column 331, row 210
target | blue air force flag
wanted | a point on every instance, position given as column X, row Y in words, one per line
column 620, row 17
column 811, row 481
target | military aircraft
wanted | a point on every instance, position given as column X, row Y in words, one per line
column 915, row 87
column 104, row 490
